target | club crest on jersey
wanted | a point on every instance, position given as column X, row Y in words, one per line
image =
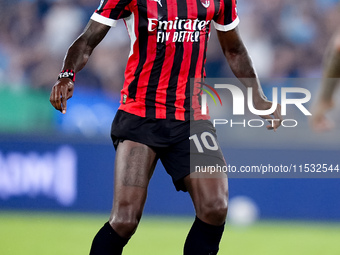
column 205, row 3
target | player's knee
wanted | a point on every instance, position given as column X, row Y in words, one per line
column 214, row 211
column 125, row 218
column 125, row 227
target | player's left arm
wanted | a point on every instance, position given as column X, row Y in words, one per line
column 242, row 66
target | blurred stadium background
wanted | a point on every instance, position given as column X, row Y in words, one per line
column 56, row 171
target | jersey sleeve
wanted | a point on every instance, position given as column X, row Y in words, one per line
column 109, row 11
column 227, row 18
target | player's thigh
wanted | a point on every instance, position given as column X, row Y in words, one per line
column 207, row 182
column 209, row 196
column 206, row 189
column 134, row 166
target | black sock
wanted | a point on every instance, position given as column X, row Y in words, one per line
column 107, row 242
column 203, row 239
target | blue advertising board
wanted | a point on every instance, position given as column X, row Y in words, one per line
column 73, row 174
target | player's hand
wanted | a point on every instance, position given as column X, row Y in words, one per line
column 318, row 121
column 275, row 118
column 61, row 92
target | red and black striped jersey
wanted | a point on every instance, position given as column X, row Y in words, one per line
column 168, row 47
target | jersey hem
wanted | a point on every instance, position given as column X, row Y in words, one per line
column 228, row 27
column 103, row 20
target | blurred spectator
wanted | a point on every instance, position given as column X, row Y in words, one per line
column 286, row 38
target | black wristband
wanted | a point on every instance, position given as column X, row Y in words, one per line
column 67, row 74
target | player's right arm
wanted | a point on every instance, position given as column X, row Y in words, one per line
column 75, row 59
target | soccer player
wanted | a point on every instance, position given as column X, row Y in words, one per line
column 159, row 116
column 330, row 80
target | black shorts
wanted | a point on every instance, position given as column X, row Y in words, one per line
column 182, row 146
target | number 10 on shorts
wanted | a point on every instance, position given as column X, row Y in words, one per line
column 207, row 140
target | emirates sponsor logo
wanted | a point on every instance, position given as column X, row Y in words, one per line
column 177, row 24
column 180, row 36
column 205, row 3
column 178, row 30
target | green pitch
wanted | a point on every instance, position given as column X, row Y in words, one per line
column 55, row 234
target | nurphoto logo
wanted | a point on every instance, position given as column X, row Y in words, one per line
column 298, row 98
